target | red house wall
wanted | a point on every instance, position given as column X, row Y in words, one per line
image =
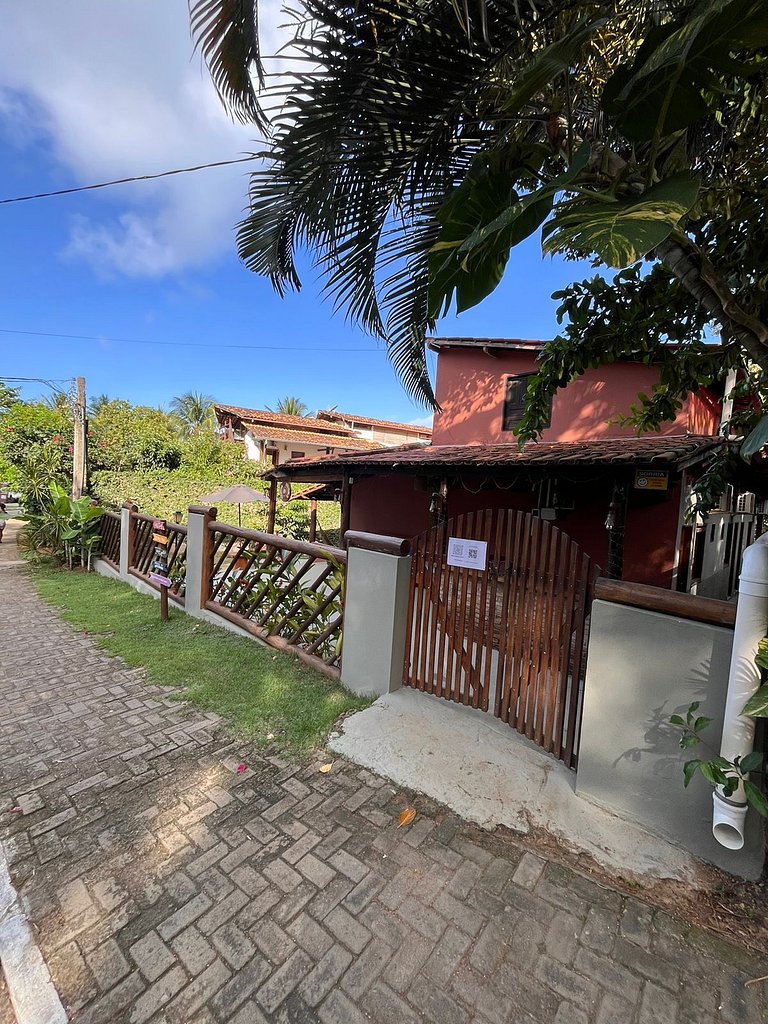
column 391, row 505
column 470, row 390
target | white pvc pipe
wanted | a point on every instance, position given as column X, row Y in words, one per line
column 744, row 678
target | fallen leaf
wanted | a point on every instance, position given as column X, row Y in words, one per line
column 325, row 768
column 270, row 735
column 18, row 810
column 241, row 768
column 407, row 816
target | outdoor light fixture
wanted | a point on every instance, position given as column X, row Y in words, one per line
column 177, row 517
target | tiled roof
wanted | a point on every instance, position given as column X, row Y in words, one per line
column 438, row 343
column 648, row 450
column 322, row 438
column 279, row 419
column 347, row 417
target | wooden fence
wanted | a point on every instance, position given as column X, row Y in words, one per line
column 109, row 529
column 288, row 593
column 141, row 553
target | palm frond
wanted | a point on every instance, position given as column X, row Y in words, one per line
column 227, row 34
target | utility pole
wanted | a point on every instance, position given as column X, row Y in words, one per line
column 78, row 451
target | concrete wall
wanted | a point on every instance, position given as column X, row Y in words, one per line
column 643, row 667
column 375, row 617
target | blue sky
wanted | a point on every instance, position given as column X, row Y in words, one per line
column 94, row 91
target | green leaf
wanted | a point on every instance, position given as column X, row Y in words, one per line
column 622, row 232
column 757, row 705
column 689, row 770
column 751, row 762
column 677, row 720
column 756, row 797
column 690, row 739
column 761, row 658
column 666, row 88
column 548, row 64
column 755, row 441
column 712, row 773
column 701, row 723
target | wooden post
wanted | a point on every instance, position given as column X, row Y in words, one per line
column 614, row 524
column 163, row 604
column 207, row 560
column 346, row 503
column 272, row 506
column 78, row 448
column 312, row 521
column 132, row 509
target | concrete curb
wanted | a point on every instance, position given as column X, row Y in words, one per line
column 33, row 996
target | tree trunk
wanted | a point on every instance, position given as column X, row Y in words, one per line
column 681, row 257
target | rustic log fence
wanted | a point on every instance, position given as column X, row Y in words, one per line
column 288, row 593
column 141, row 553
column 109, row 529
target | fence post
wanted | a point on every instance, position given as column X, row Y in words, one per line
column 126, row 537
column 199, row 558
column 375, row 613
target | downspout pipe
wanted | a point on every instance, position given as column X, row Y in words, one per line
column 744, row 678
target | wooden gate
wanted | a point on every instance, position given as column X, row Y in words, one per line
column 511, row 638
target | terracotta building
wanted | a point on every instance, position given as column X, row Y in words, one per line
column 623, row 498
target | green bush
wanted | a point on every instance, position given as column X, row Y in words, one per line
column 161, row 493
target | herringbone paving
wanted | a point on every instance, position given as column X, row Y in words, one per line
column 163, row 886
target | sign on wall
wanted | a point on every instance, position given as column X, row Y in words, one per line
column 468, row 554
column 651, row 479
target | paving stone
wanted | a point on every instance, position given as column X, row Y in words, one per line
column 321, row 979
column 193, row 950
column 151, row 956
column 284, row 897
column 599, row 931
column 158, row 994
column 384, row 1006
column 347, row 929
column 284, row 980
column 107, row 964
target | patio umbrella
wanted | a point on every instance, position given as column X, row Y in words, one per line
column 237, row 494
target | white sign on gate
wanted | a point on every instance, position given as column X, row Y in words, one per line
column 469, row 554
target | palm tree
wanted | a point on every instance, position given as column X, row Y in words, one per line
column 291, row 406
column 417, row 141
column 194, row 411
column 97, row 404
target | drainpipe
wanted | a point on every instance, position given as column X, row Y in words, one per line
column 743, row 680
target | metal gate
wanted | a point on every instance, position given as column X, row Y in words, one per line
column 511, row 637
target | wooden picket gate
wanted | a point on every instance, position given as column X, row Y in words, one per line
column 511, row 638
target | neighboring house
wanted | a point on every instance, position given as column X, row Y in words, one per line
column 593, row 478
column 276, row 438
column 384, row 431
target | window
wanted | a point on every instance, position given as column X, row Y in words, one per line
column 297, row 455
column 514, row 401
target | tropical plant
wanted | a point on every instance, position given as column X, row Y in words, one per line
column 416, row 142
column 64, row 526
column 290, row 406
column 26, row 426
column 38, row 469
column 194, row 411
column 95, row 405
column 8, row 396
column 727, row 775
column 125, row 437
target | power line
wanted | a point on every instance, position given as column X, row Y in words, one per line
column 186, row 344
column 125, row 181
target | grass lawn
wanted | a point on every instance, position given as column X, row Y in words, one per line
column 256, row 689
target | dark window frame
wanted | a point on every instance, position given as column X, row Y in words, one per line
column 515, row 388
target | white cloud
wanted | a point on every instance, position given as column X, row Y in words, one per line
column 421, row 421
column 114, row 90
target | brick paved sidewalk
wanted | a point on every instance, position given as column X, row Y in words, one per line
column 165, row 887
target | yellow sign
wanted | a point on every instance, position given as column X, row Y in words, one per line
column 159, row 538
column 651, row 479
